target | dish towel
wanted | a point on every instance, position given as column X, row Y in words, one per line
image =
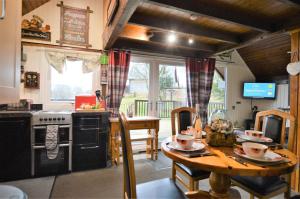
column 51, row 141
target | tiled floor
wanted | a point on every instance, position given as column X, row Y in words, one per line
column 102, row 183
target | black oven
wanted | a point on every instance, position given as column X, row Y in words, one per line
column 46, row 167
column 41, row 165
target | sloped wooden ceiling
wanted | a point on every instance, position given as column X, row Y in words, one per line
column 267, row 59
column 29, row 5
column 220, row 25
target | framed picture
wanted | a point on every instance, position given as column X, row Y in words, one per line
column 74, row 25
column 32, row 80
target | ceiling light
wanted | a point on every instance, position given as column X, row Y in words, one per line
column 191, row 41
column 193, row 17
column 171, row 37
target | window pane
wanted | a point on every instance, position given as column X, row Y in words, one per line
column 72, row 82
column 172, row 83
column 137, row 88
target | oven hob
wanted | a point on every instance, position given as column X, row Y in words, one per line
column 41, row 165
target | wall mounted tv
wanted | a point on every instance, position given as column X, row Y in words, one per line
column 256, row 90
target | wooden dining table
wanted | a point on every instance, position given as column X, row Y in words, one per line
column 222, row 166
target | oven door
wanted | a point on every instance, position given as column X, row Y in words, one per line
column 45, row 167
column 39, row 135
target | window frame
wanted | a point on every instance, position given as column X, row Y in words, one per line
column 65, row 105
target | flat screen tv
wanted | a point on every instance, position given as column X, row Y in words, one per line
column 255, row 90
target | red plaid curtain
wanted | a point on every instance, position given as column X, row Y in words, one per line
column 117, row 76
column 200, row 74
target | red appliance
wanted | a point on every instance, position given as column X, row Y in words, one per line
column 79, row 100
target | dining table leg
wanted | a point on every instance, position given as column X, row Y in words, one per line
column 220, row 186
column 156, row 143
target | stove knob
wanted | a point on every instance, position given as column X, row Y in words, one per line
column 63, row 118
column 54, row 118
column 45, row 119
column 41, row 119
column 58, row 119
column 50, row 119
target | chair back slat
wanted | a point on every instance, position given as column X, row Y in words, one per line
column 284, row 117
column 128, row 164
column 184, row 117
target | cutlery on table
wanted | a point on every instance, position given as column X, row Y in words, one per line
column 239, row 160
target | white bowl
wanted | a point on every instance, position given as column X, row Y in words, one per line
column 254, row 150
column 256, row 134
column 185, row 141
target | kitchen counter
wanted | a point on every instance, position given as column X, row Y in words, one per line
column 89, row 113
column 10, row 114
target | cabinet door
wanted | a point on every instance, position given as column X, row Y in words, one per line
column 10, row 51
column 14, row 148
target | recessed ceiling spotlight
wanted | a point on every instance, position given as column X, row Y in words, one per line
column 171, row 37
column 191, row 41
column 193, row 17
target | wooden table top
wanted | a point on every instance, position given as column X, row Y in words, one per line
column 135, row 119
column 221, row 163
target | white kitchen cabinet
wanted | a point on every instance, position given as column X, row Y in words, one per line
column 10, row 50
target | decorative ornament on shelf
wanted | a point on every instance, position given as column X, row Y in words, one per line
column 220, row 130
column 34, row 29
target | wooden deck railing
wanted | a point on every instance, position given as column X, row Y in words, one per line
column 164, row 108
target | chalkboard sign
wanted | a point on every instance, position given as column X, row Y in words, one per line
column 74, row 26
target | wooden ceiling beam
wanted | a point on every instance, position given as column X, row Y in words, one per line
column 159, row 22
column 112, row 31
column 230, row 15
column 146, row 46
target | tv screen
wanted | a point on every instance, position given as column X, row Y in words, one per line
column 259, row 90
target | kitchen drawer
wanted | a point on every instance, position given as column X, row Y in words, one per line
column 95, row 121
column 86, row 135
column 141, row 125
column 87, row 121
column 89, row 157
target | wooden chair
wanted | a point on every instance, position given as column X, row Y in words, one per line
column 266, row 187
column 184, row 117
column 164, row 188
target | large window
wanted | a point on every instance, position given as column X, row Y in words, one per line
column 71, row 82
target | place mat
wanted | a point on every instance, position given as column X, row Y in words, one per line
column 190, row 154
column 259, row 163
column 264, row 164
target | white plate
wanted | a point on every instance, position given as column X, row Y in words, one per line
column 196, row 147
column 269, row 157
column 254, row 139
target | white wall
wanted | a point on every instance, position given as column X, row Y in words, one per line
column 50, row 13
column 235, row 74
column 239, row 108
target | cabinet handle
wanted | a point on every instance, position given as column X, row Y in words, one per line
column 87, row 129
column 89, row 147
column 3, row 11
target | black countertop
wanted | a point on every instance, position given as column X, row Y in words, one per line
column 82, row 114
column 10, row 114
